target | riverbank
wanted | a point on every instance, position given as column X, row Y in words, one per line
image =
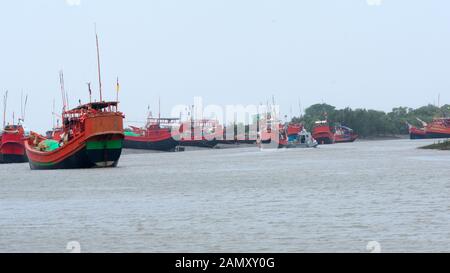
column 441, row 145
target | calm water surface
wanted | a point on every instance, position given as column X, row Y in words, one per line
column 331, row 199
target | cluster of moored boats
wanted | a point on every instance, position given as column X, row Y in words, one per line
column 93, row 135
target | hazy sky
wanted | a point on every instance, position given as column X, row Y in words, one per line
column 343, row 52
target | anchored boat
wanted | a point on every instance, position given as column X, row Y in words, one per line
column 157, row 135
column 344, row 134
column 323, row 133
column 92, row 137
column 199, row 133
column 12, row 149
column 303, row 139
column 438, row 128
column 417, row 133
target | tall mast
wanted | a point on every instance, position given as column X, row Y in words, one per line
column 5, row 102
column 300, row 108
column 53, row 115
column 21, row 105
column 98, row 65
column 117, row 90
column 159, row 110
column 24, row 111
column 63, row 91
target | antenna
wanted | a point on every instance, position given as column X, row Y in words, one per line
column 98, row 65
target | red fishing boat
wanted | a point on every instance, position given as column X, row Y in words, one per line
column 199, row 133
column 323, row 133
column 158, row 134
column 439, row 128
column 12, row 149
column 417, row 133
column 294, row 129
column 92, row 137
column 344, row 134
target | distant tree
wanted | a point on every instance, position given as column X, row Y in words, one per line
column 371, row 122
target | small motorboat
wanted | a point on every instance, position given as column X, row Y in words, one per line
column 303, row 139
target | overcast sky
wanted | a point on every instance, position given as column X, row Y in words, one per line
column 343, row 52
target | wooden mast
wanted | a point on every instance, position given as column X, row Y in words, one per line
column 63, row 91
column 5, row 102
column 98, row 66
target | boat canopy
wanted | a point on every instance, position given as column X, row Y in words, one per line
column 96, row 105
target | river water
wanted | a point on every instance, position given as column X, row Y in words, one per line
column 335, row 198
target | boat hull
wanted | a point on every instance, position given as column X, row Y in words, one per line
column 12, row 148
column 323, row 134
column 346, row 140
column 417, row 136
column 98, row 153
column 199, row 143
column 168, row 144
column 324, row 140
column 437, row 135
column 301, row 146
column 12, row 158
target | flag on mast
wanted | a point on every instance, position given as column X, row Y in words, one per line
column 117, row 89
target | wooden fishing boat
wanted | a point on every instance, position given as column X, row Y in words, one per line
column 12, row 149
column 323, row 133
column 158, row 134
column 92, row 137
column 438, row 128
column 199, row 133
column 344, row 134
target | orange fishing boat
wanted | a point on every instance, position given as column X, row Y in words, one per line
column 92, row 137
column 323, row 133
column 438, row 128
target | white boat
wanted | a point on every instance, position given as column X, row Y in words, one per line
column 303, row 140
